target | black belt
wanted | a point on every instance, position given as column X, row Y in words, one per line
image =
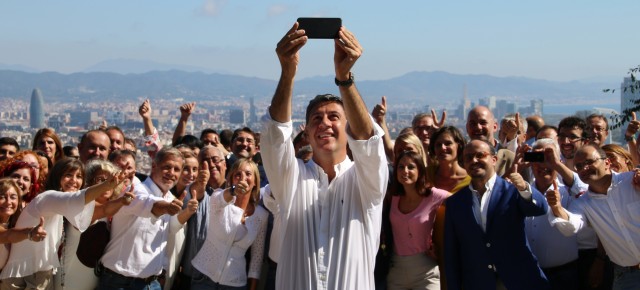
column 630, row 268
column 572, row 264
column 147, row 280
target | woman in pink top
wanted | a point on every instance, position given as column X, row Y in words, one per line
column 412, row 215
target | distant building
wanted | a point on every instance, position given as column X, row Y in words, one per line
column 237, row 116
column 36, row 110
column 253, row 116
column 626, row 96
column 82, row 118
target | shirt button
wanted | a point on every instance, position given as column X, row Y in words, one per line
column 490, row 267
column 488, row 245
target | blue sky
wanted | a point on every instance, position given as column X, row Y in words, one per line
column 554, row 40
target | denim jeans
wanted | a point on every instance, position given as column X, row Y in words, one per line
column 203, row 282
column 112, row 281
column 625, row 278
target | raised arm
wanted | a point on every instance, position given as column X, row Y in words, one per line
column 36, row 234
column 97, row 190
column 630, row 136
column 288, row 55
column 111, row 207
column 347, row 52
column 379, row 114
column 145, row 112
column 185, row 112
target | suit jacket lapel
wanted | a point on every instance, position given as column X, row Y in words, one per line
column 496, row 194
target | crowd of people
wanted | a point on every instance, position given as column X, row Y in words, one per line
column 336, row 205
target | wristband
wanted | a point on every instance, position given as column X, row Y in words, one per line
column 628, row 138
column 345, row 83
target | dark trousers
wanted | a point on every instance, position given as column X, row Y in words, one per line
column 563, row 277
column 586, row 258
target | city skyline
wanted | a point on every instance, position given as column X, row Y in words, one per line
column 544, row 39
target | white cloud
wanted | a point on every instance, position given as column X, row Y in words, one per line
column 211, row 8
column 278, row 9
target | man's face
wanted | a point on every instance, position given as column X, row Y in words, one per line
column 570, row 140
column 95, row 146
column 326, row 131
column 481, row 125
column 210, row 139
column 597, row 131
column 166, row 173
column 117, row 139
column 424, row 129
column 127, row 164
column 548, row 134
column 478, row 161
column 244, row 145
column 217, row 166
column 590, row 166
column 7, row 151
column 541, row 170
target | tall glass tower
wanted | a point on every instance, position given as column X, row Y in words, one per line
column 36, row 110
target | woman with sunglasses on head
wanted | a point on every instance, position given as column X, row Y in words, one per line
column 32, row 264
column 412, row 213
column 236, row 223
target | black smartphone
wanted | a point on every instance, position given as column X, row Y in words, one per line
column 323, row 28
column 534, row 156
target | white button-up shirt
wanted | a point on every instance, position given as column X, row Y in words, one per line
column 551, row 247
column 331, row 229
column 28, row 257
column 221, row 257
column 615, row 216
column 138, row 238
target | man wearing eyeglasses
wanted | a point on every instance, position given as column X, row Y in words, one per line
column 198, row 224
column 571, row 136
column 484, row 242
column 611, row 208
column 597, row 129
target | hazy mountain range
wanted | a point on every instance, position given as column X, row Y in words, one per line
column 129, row 79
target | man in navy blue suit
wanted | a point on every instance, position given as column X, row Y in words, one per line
column 485, row 243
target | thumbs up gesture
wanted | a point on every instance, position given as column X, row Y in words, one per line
column 633, row 127
column 37, row 233
column 192, row 204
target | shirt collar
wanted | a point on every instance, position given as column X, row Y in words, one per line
column 488, row 186
column 616, row 179
column 154, row 189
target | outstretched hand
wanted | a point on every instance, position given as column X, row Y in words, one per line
column 288, row 48
column 347, row 52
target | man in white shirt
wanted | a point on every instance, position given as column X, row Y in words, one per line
column 330, row 207
column 612, row 210
column 556, row 253
column 134, row 257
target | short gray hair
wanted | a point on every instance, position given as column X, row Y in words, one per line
column 547, row 141
column 95, row 166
